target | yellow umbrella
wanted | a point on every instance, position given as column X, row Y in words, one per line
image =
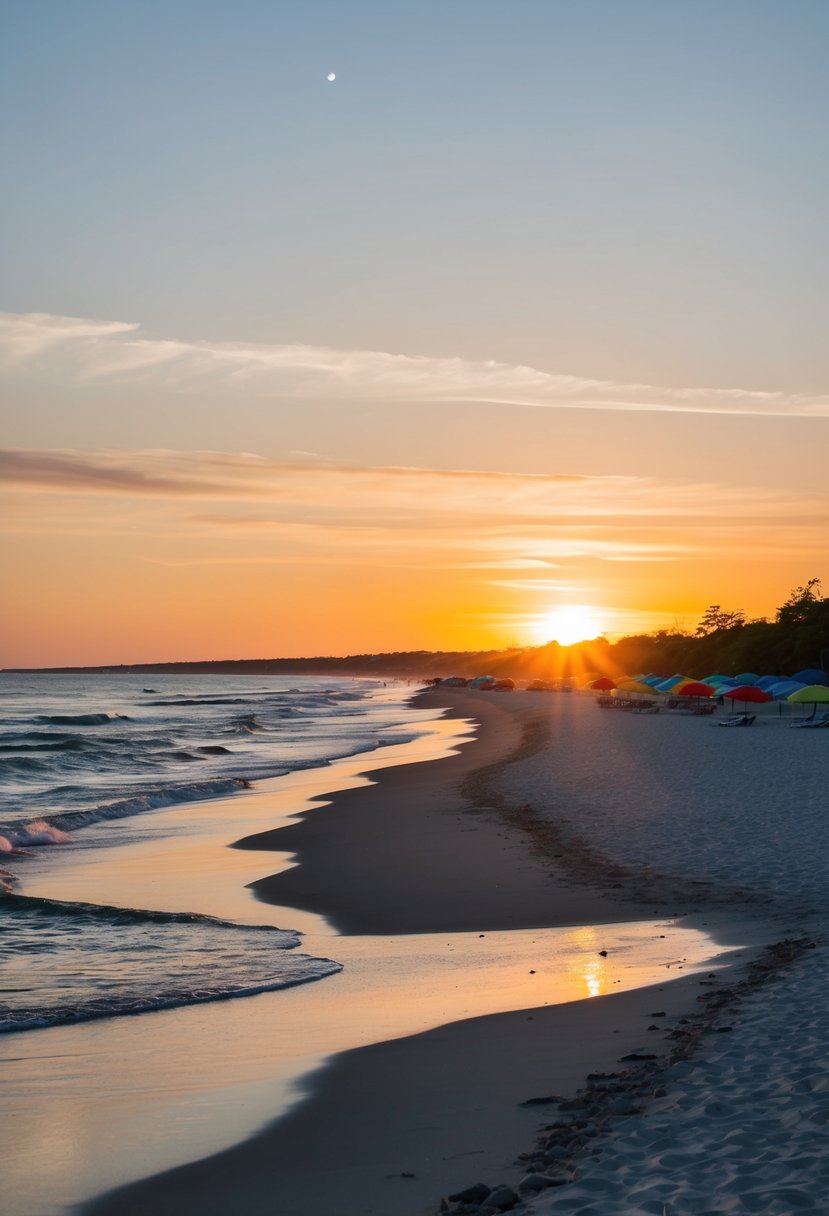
column 812, row 694
column 634, row 686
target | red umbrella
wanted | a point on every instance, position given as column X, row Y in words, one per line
column 603, row 684
column 748, row 692
column 694, row 688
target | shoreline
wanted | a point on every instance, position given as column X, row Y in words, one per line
column 383, row 1089
column 482, row 877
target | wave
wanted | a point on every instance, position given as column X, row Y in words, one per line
column 203, row 701
column 80, row 719
column 23, row 765
column 40, row 831
column 12, row 1020
column 247, row 725
column 149, row 800
column 56, row 745
column 78, row 962
column 80, row 913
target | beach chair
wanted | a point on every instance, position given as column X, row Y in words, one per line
column 817, row 721
column 736, row 720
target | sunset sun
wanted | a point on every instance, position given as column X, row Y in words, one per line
column 574, row 623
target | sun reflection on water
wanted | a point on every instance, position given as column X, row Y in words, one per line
column 588, row 967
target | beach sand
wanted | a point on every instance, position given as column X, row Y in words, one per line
column 481, row 841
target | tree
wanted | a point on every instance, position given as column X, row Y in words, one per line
column 799, row 608
column 715, row 619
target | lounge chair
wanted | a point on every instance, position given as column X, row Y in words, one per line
column 736, row 720
column 816, row 720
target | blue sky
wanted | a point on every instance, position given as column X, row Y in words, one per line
column 618, row 189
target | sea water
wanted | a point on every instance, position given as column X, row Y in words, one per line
column 77, row 751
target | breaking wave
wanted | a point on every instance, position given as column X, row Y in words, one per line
column 73, row 962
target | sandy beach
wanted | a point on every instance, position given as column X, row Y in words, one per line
column 519, row 829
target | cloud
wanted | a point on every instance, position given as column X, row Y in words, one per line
column 111, row 351
column 517, row 530
column 385, row 495
column 71, row 472
column 25, row 336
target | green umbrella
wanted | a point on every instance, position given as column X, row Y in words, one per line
column 812, row 694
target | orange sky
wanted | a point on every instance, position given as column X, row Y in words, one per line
column 160, row 555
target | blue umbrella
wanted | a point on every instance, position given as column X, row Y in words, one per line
column 784, row 688
column 767, row 681
column 811, row 675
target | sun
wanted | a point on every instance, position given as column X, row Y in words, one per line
column 574, row 623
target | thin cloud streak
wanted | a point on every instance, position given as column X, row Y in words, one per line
column 108, row 351
column 526, row 500
column 226, row 508
column 25, row 336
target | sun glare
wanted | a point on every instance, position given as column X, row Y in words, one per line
column 575, row 623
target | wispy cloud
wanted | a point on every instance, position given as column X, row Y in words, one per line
column 113, row 351
column 28, row 335
column 528, row 499
column 514, row 529
column 70, row 472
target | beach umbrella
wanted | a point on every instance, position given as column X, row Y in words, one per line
column 811, row 694
column 747, row 694
column 626, row 686
column 694, row 688
column 747, row 677
column 765, row 682
column 811, row 676
column 717, row 679
column 784, row 688
column 603, row 684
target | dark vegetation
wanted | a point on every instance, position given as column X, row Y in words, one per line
column 723, row 642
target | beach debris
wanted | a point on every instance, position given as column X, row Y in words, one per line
column 476, row 1193
column 502, row 1198
column 548, row 1100
column 602, row 954
column 637, row 1055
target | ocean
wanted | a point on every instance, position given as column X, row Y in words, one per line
column 81, row 751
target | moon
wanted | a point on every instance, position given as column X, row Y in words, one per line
column 332, row 75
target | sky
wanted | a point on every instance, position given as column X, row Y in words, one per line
column 514, row 330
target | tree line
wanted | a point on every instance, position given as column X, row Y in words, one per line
column 724, row 641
